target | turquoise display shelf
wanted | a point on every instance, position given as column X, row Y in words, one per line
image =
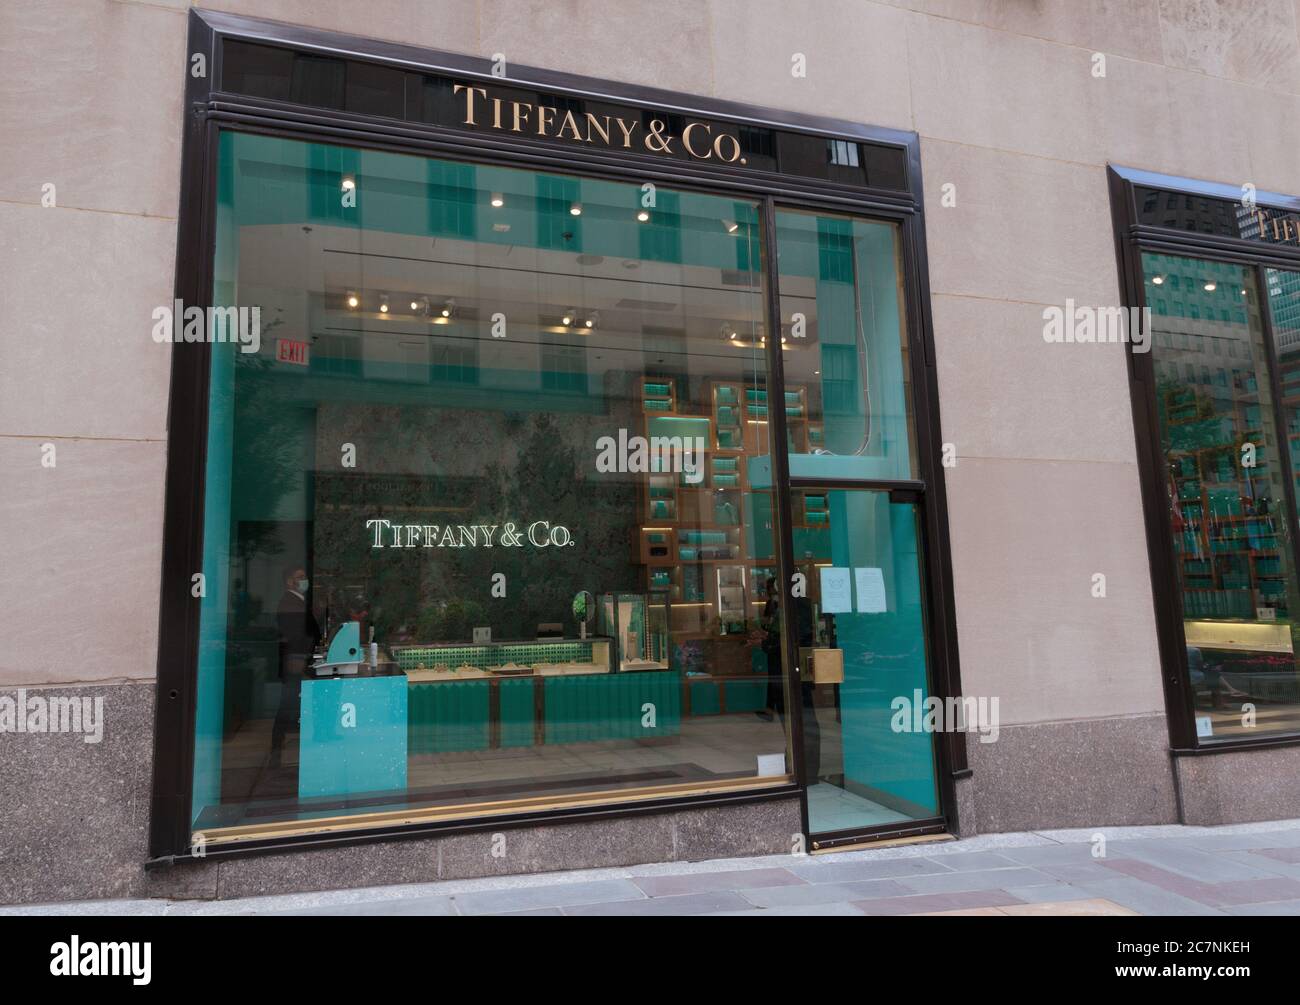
column 353, row 736
column 610, row 706
column 449, row 715
column 518, row 712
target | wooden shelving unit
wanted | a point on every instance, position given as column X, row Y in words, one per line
column 1226, row 536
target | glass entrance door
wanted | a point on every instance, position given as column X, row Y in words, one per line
column 860, row 624
column 869, row 756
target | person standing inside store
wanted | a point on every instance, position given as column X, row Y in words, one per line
column 771, row 644
column 299, row 636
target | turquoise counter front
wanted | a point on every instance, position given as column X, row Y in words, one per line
column 353, row 736
column 526, row 711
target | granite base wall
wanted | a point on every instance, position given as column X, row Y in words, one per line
column 1085, row 773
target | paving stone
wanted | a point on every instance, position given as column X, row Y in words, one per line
column 1093, row 907
column 1049, row 893
column 798, row 911
column 931, row 902
column 974, row 860
column 980, row 879
column 705, row 882
column 824, row 893
column 1279, row 908
column 849, row 872
column 1191, row 862
column 695, row 903
column 1246, row 891
column 1145, row 898
column 525, row 898
column 1288, row 855
column 405, row 907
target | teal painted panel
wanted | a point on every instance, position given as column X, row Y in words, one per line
column 610, row 706
column 517, row 716
column 354, row 735
column 447, row 716
column 746, row 695
column 704, row 697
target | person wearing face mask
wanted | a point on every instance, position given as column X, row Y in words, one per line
column 299, row 635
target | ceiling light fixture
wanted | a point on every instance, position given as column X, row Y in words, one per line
column 1158, row 280
column 448, row 308
column 575, row 209
column 498, row 200
column 349, row 183
column 352, row 299
column 591, row 321
column 1211, row 286
column 568, row 317
column 383, row 305
column 643, row 216
column 731, row 225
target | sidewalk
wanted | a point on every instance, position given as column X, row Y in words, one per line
column 1238, row 869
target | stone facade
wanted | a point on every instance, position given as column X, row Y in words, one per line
column 1044, row 495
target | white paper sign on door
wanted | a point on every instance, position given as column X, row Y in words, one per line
column 836, row 595
column 871, row 591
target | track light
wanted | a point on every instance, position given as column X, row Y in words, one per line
column 575, row 209
column 498, row 200
column 1211, row 286
column 349, row 183
column 731, row 225
column 353, row 301
column 383, row 305
column 448, row 308
column 1157, row 280
column 591, row 321
column 568, row 317
column 643, row 216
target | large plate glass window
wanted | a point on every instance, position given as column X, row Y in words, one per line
column 487, row 524
column 1234, row 548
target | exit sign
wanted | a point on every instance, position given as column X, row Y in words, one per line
column 289, row 351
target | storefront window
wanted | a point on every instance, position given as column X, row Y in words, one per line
column 488, row 523
column 848, row 396
column 1233, row 547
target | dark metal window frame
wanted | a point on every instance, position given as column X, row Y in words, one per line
column 207, row 111
column 1132, row 238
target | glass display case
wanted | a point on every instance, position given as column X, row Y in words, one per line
column 638, row 624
